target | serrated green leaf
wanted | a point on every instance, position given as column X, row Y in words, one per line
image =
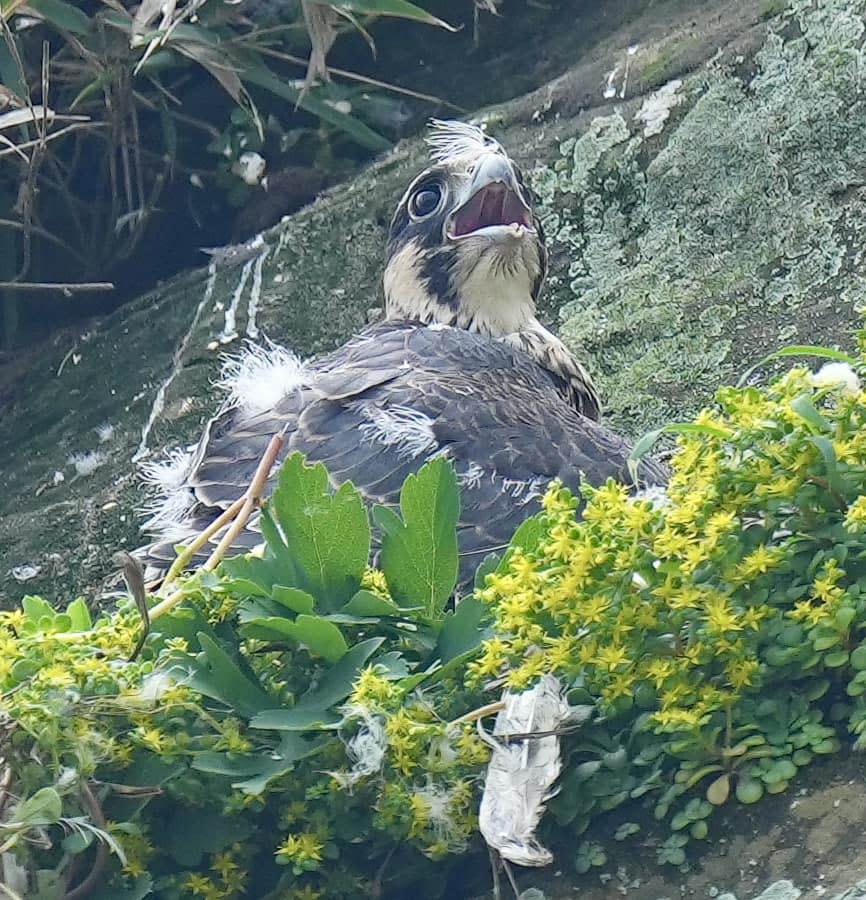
column 326, row 534
column 35, row 608
column 419, row 553
column 461, row 630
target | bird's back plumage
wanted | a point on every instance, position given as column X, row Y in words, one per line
column 393, row 397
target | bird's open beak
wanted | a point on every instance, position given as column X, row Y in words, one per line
column 494, row 205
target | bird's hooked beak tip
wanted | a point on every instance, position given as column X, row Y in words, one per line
column 494, row 206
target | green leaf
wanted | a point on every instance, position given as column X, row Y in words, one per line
column 260, row 75
column 195, row 831
column 35, row 608
column 461, row 630
column 399, row 8
column 801, row 350
column 296, row 600
column 61, row 15
column 419, row 554
column 858, row 658
column 312, row 707
column 320, row 636
column 79, row 615
column 10, row 74
column 327, row 534
column 216, row 675
column 256, row 772
column 808, row 412
column 366, row 603
column 44, row 808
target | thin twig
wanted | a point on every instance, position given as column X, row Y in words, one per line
column 75, row 126
column 190, row 550
column 364, row 79
column 480, row 713
column 251, row 499
column 64, row 287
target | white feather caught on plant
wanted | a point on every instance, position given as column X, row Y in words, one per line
column 521, row 774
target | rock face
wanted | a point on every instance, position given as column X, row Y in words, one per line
column 701, row 173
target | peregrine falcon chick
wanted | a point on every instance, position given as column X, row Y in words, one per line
column 460, row 367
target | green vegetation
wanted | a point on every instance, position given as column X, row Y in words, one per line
column 299, row 708
column 113, row 114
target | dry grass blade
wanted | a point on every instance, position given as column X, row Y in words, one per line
column 321, row 23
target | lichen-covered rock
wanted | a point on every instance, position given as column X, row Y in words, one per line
column 694, row 226
column 738, row 228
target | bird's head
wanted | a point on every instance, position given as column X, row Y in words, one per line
column 465, row 247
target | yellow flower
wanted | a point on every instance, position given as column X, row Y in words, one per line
column 720, row 616
column 300, row 848
column 742, row 672
column 855, row 517
column 197, row 884
column 373, row 580
column 611, row 657
column 371, row 689
column 760, row 561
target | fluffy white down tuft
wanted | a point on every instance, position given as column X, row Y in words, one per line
column 450, row 140
column 408, row 430
column 259, row 377
column 168, row 508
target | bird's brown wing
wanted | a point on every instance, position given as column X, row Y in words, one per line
column 399, row 394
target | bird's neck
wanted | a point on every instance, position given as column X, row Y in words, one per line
column 490, row 299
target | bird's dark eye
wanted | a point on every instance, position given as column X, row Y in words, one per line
column 425, row 200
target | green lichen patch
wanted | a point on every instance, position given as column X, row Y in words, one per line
column 688, row 250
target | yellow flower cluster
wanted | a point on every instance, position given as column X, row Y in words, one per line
column 669, row 600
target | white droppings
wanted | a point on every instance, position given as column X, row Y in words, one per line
column 58, row 477
column 86, row 463
column 177, row 363
column 837, row 375
column 656, row 109
column 609, row 91
column 229, row 332
column 256, row 294
column 258, row 378
column 408, row 430
column 25, row 572
column 105, row 432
